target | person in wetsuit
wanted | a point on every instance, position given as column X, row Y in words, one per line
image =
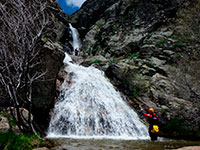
column 153, row 119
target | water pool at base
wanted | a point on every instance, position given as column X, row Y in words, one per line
column 109, row 144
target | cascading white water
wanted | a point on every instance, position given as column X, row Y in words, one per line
column 75, row 36
column 91, row 108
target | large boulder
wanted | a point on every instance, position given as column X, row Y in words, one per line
column 44, row 92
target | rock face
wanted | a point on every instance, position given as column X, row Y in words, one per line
column 58, row 27
column 91, row 11
column 128, row 22
column 148, row 56
column 44, row 92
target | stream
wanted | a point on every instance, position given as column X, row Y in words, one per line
column 110, row 144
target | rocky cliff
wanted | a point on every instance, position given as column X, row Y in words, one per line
column 149, row 50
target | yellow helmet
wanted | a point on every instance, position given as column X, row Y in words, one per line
column 151, row 110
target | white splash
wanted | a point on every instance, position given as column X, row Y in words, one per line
column 67, row 59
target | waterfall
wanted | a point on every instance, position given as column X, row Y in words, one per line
column 75, row 36
column 90, row 107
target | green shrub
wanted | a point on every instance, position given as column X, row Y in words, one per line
column 137, row 90
column 178, row 54
column 113, row 61
column 116, row 27
column 97, row 61
column 95, row 48
column 180, row 40
column 179, row 128
column 123, row 20
column 164, row 111
column 135, row 55
column 149, row 65
column 149, row 35
column 11, row 122
column 100, row 24
column 27, row 141
column 136, row 84
column 178, row 44
column 161, row 42
column 198, row 133
column 175, row 125
column 44, row 38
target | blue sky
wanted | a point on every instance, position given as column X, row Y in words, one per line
column 70, row 6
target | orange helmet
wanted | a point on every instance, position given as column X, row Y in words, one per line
column 151, row 110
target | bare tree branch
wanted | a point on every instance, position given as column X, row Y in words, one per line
column 21, row 25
